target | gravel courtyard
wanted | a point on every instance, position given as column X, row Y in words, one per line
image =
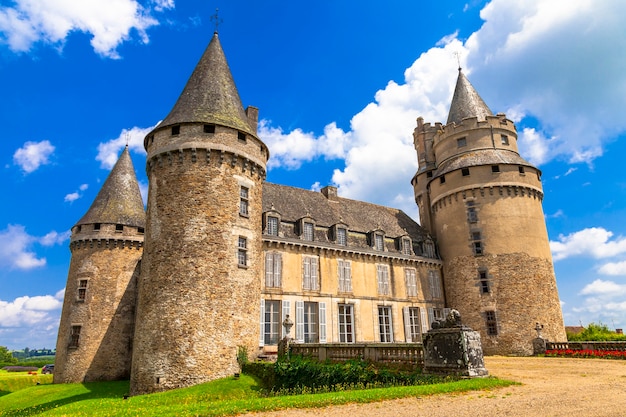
column 550, row 387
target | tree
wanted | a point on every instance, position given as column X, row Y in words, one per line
column 6, row 356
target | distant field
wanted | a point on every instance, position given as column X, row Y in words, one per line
column 222, row 397
column 15, row 381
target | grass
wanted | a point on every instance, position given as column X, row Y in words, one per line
column 15, row 381
column 218, row 398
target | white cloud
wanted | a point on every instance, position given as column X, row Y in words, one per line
column 31, row 321
column 108, row 22
column 603, row 302
column 16, row 247
column 593, row 242
column 613, row 268
column 32, row 155
column 83, row 187
column 601, row 287
column 71, row 197
column 109, row 152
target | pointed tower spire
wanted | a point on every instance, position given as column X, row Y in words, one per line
column 119, row 200
column 466, row 102
column 210, row 95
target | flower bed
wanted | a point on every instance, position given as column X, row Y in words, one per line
column 587, row 353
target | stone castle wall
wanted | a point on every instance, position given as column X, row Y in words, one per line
column 110, row 266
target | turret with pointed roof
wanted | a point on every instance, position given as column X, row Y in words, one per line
column 206, row 167
column 482, row 202
column 97, row 322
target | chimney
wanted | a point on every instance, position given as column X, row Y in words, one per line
column 330, row 192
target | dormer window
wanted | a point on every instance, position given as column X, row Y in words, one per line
column 406, row 246
column 272, row 225
column 378, row 240
column 307, row 231
column 342, row 236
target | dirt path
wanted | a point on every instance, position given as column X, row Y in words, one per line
column 550, row 387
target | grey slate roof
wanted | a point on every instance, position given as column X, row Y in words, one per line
column 466, row 102
column 119, row 200
column 295, row 203
column 210, row 95
column 481, row 157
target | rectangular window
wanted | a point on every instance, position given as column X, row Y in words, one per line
column 346, row 323
column 209, row 128
column 242, row 251
column 119, row 227
column 434, row 282
column 271, row 333
column 309, row 273
column 175, row 130
column 407, row 247
column 465, row 172
column 342, row 236
column 74, row 336
column 472, row 216
column 272, row 225
column 243, row 201
column 412, row 325
column 495, row 168
column 410, row 278
column 504, row 139
column 307, row 231
column 382, row 273
column 379, row 242
column 491, row 323
column 344, row 273
column 96, row 226
column 484, row 282
column 311, row 334
column 241, row 136
column 442, row 179
column 82, row 289
column 477, row 244
column 273, row 269
column 521, row 169
column 461, row 142
column 385, row 328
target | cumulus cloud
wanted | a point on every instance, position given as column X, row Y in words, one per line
column 613, row 268
column 109, row 152
column 50, row 22
column 32, row 155
column 604, row 301
column 76, row 194
column 595, row 242
column 16, row 247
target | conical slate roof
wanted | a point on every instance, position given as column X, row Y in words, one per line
column 119, row 200
column 466, row 102
column 210, row 95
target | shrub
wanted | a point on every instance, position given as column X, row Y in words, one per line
column 596, row 332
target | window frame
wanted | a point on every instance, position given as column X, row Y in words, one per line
column 344, row 275
column 271, row 322
column 242, row 252
column 310, row 273
column 244, row 201
column 273, row 269
column 434, row 284
column 75, row 331
column 345, row 322
column 382, row 278
column 308, row 231
column 272, row 224
column 81, row 291
column 341, row 236
column 385, row 324
column 410, row 280
column 491, row 323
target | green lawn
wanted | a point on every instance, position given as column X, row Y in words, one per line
column 223, row 397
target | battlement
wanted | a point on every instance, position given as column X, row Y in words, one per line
column 498, row 121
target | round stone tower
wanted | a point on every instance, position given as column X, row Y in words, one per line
column 96, row 329
column 199, row 290
column 483, row 202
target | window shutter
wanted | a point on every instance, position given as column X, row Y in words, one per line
column 300, row 321
column 278, row 269
column 285, row 311
column 314, row 278
column 392, row 338
column 262, row 332
column 268, row 269
column 376, row 324
column 424, row 319
column 340, row 275
column 431, row 316
column 407, row 325
column 348, row 275
column 322, row 311
column 306, row 271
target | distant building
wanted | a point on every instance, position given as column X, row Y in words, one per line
column 221, row 257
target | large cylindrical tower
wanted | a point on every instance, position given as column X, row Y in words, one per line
column 483, row 202
column 96, row 330
column 199, row 290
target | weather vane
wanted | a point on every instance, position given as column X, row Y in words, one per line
column 127, row 137
column 216, row 19
column 457, row 54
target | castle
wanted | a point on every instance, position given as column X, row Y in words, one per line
column 221, row 258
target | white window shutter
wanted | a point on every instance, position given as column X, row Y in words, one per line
column 278, row 269
column 268, row 269
column 300, row 321
column 424, row 319
column 376, row 324
column 407, row 324
column 348, row 275
column 431, row 316
column 262, row 327
column 314, row 276
column 322, row 312
column 284, row 313
column 393, row 339
column 306, row 272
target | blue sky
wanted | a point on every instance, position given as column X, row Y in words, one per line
column 339, row 85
